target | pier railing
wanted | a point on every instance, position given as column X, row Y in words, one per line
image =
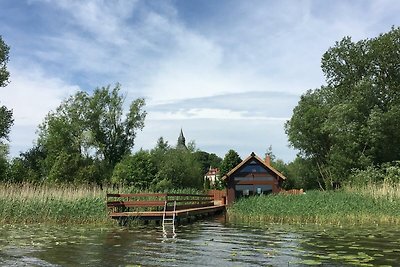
column 156, row 201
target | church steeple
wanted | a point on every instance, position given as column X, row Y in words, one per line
column 181, row 141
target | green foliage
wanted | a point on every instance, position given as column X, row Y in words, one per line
column 112, row 136
column 87, row 136
column 354, row 121
column 26, row 203
column 137, row 170
column 207, row 160
column 179, row 169
column 3, row 162
column 162, row 169
column 230, row 161
column 388, row 173
column 6, row 121
column 4, row 74
column 321, row 207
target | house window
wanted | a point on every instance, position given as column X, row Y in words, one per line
column 252, row 168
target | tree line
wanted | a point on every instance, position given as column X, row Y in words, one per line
column 89, row 139
column 345, row 130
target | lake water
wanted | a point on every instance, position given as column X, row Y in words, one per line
column 203, row 243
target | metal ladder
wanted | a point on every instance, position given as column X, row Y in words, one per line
column 168, row 221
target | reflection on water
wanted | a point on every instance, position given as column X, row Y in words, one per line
column 203, row 243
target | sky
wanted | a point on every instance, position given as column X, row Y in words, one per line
column 228, row 72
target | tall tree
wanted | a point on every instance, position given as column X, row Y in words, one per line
column 6, row 120
column 136, row 170
column 111, row 134
column 86, row 129
column 4, row 58
column 354, row 121
column 230, row 161
column 207, row 160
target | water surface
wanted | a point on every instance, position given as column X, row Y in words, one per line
column 203, row 243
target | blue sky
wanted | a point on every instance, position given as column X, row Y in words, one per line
column 228, row 72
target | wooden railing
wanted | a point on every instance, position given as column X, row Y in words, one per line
column 156, row 202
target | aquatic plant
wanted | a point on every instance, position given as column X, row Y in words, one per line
column 48, row 203
column 29, row 203
column 321, row 207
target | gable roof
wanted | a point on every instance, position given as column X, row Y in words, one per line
column 253, row 156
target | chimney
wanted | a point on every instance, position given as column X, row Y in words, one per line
column 268, row 160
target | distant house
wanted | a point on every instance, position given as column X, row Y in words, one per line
column 253, row 176
column 212, row 175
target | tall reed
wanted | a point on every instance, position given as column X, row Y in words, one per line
column 328, row 207
column 28, row 203
column 47, row 203
column 387, row 190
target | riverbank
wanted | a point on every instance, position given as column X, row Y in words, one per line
column 60, row 204
column 27, row 203
column 371, row 204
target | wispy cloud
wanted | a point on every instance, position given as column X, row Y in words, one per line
column 210, row 67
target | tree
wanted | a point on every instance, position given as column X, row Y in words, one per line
column 6, row 120
column 354, row 121
column 207, row 160
column 111, row 135
column 137, row 170
column 28, row 166
column 89, row 133
column 4, row 58
column 179, row 169
column 230, row 161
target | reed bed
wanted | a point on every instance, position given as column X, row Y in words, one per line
column 67, row 204
column 28, row 203
column 347, row 206
column 386, row 190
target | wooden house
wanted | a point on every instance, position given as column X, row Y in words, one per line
column 253, row 176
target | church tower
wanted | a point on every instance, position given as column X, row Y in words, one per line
column 181, row 141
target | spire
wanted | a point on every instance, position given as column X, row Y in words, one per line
column 181, row 141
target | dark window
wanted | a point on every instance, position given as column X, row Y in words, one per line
column 252, row 168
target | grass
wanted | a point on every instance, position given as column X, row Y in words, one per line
column 366, row 205
column 67, row 204
column 27, row 203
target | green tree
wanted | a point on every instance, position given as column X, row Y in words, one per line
column 179, row 169
column 89, row 134
column 111, row 134
column 3, row 162
column 230, row 161
column 137, row 170
column 6, row 120
column 207, row 160
column 28, row 166
column 4, row 58
column 354, row 121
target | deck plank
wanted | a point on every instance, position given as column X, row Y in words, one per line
column 159, row 214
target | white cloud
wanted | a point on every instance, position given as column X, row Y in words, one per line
column 262, row 48
column 31, row 94
column 209, row 113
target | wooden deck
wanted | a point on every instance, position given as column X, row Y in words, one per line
column 157, row 206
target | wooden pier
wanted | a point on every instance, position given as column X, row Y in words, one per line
column 162, row 207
